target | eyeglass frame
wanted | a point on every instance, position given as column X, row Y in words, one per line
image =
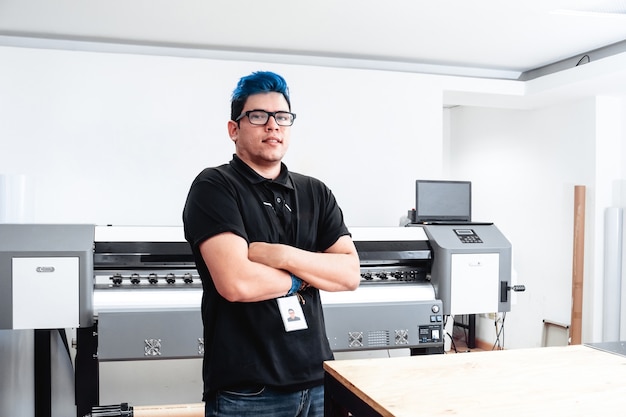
column 269, row 114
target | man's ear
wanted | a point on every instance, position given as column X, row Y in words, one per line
column 233, row 130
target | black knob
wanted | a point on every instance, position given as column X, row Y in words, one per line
column 117, row 279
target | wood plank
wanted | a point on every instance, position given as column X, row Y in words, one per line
column 169, row 410
column 565, row 380
column 578, row 267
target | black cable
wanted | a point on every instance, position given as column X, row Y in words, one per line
column 497, row 341
column 499, row 333
column 452, row 344
column 464, row 332
column 463, row 324
column 581, row 59
column 502, row 330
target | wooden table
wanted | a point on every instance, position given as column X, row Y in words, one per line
column 551, row 381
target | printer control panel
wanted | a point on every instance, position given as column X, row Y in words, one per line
column 467, row 236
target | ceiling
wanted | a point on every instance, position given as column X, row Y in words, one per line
column 484, row 38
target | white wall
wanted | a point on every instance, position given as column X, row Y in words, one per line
column 524, row 165
column 117, row 139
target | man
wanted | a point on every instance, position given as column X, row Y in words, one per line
column 292, row 315
column 265, row 240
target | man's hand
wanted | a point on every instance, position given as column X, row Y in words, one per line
column 270, row 254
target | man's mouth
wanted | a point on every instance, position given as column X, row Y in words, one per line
column 272, row 140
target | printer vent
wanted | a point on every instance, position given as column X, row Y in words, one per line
column 376, row 338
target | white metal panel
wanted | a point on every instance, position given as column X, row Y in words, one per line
column 45, row 292
column 474, row 283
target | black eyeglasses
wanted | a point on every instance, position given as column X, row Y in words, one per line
column 261, row 117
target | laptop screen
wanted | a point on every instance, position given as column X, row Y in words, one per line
column 447, row 201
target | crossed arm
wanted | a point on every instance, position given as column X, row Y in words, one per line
column 261, row 271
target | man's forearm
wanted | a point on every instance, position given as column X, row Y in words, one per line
column 335, row 270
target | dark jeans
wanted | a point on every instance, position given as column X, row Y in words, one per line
column 266, row 402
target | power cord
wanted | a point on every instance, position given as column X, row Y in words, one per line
column 581, row 59
column 499, row 344
column 452, row 344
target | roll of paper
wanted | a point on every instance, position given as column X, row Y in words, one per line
column 15, row 206
column 612, row 274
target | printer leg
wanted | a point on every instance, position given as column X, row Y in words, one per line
column 43, row 373
column 87, row 376
column 471, row 336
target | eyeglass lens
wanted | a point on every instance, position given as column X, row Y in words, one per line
column 260, row 117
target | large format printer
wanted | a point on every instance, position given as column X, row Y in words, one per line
column 137, row 292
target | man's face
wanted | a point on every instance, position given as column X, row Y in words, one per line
column 261, row 146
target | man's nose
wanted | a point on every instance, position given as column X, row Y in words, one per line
column 271, row 122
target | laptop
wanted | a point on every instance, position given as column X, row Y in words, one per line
column 443, row 202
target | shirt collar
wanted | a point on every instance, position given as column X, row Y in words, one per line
column 253, row 177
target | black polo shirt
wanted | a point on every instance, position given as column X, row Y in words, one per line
column 246, row 343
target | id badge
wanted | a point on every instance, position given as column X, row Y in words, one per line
column 292, row 313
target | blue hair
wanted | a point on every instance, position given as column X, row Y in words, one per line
column 256, row 83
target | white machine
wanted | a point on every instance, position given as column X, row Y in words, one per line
column 46, row 285
column 46, row 274
column 133, row 293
